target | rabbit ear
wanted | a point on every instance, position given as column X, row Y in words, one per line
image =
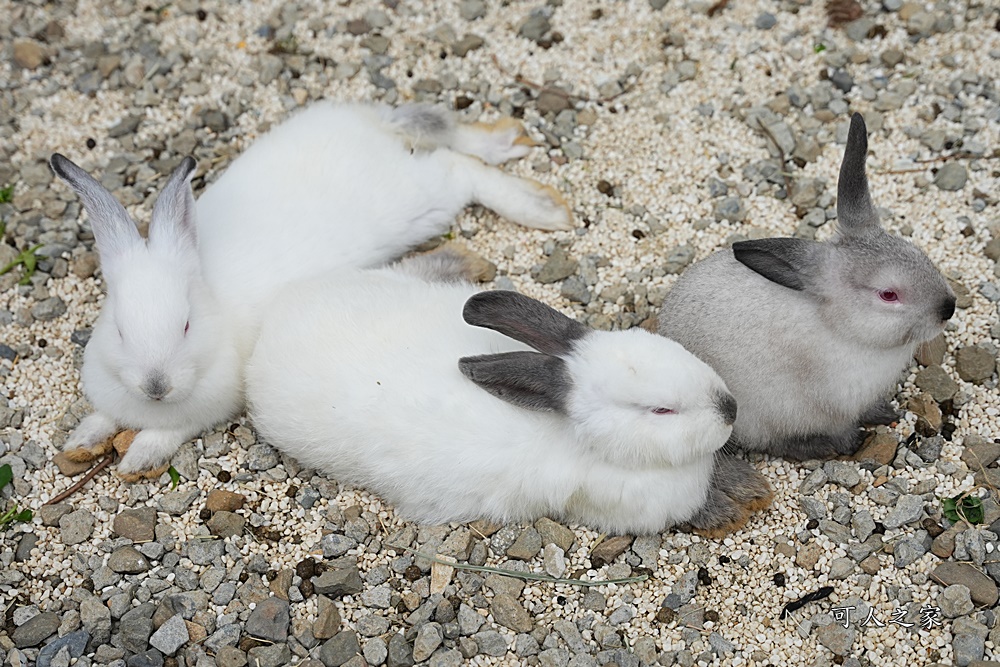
column 524, row 319
column 526, row 379
column 855, row 212
column 114, row 231
column 173, row 214
column 786, row 261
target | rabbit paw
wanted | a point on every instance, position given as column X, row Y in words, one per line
column 91, row 439
column 147, row 456
column 548, row 209
column 502, row 141
column 737, row 492
column 881, row 413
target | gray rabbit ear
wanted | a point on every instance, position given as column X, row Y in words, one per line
column 526, row 379
column 524, row 319
column 114, row 231
column 786, row 261
column 855, row 212
column 174, row 213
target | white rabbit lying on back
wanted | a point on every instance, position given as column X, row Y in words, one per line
column 335, row 185
column 811, row 337
column 373, row 377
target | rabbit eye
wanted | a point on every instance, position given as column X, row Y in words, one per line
column 888, row 295
column 187, row 325
column 663, row 411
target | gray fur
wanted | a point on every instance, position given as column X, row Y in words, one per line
column 881, row 412
column 725, row 404
column 113, row 228
column 526, row 379
column 524, row 319
column 443, row 266
column 736, row 489
column 427, row 125
column 174, row 210
column 808, row 364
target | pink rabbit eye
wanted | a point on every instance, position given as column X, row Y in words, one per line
column 187, row 325
column 888, row 295
column 662, row 411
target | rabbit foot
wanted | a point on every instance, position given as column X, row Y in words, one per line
column 507, row 139
column 881, row 413
column 737, row 491
column 146, row 454
column 91, row 439
column 819, row 446
column 552, row 211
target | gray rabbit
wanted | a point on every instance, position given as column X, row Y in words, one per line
column 811, row 337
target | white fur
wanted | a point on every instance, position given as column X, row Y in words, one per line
column 357, row 375
column 334, row 186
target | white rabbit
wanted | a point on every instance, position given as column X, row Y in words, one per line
column 811, row 337
column 374, row 378
column 335, row 185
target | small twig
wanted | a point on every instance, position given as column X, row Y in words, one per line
column 520, row 79
column 83, row 480
column 530, row 576
column 781, row 156
column 717, row 7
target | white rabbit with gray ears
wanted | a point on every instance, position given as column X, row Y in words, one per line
column 335, row 185
column 515, row 413
column 811, row 337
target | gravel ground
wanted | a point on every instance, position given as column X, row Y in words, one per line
column 650, row 116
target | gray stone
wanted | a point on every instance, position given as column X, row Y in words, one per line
column 205, row 552
column 731, row 209
column 508, row 612
column 150, row 658
column 469, row 620
column 134, row 632
column 226, row 524
column 491, row 642
column 555, row 533
column 765, row 21
column 936, row 382
column 339, row 582
column 956, row 601
column 842, row 472
column 335, row 545
column 982, row 588
column 575, row 289
column 170, row 636
column 262, row 457
column 35, row 630
column 813, row 482
column 467, row 43
column 127, row 560
column 814, row 508
column 429, row 637
column 908, row 508
column 535, row 27
column 678, row 259
column 470, row 10
column 137, row 525
column 842, row 80
column 275, row 655
column 446, row 658
column 553, row 657
column 96, row 619
column 840, row 534
column 967, row 649
column 74, row 643
column 840, row 568
column 375, row 651
column 400, row 652
column 76, row 527
column 836, row 637
column 339, row 649
column 379, row 597
column 177, row 502
column 720, row 644
column 227, row 635
column 373, row 625
column 907, row 551
column 559, row 266
column 269, row 620
column 975, row 363
column 526, row 546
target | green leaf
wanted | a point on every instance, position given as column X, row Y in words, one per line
column 24, row 516
column 6, row 475
column 819, row 48
column 175, row 477
column 6, row 194
column 963, row 508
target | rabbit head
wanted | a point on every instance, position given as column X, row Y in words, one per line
column 871, row 287
column 636, row 399
column 158, row 325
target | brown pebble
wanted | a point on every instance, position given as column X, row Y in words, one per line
column 609, row 549
column 220, row 499
column 70, row 467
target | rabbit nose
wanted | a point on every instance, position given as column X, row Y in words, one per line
column 156, row 386
column 726, row 405
column 947, row 309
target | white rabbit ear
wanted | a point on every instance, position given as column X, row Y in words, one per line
column 114, row 231
column 786, row 261
column 855, row 212
column 173, row 219
column 526, row 379
column 524, row 319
